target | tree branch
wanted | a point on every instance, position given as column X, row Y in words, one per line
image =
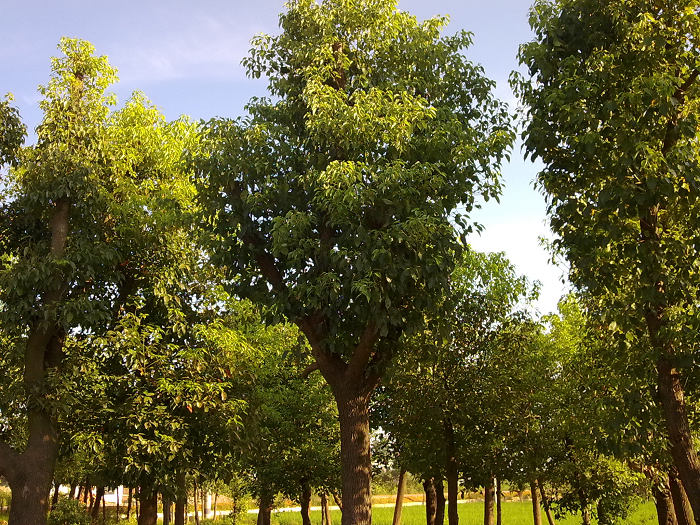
column 309, row 370
column 8, row 457
column 363, row 352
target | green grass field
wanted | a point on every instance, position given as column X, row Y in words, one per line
column 514, row 513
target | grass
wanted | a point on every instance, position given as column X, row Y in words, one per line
column 514, row 513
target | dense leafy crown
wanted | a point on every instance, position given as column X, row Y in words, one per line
column 340, row 187
column 612, row 110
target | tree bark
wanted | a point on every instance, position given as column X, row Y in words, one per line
column 681, row 505
column 325, row 509
column 54, row 499
column 499, row 502
column 430, row 501
column 180, row 498
column 95, row 510
column 439, row 502
column 664, row 505
column 545, row 503
column 148, row 506
column 194, row 500
column 356, row 463
column 305, row 503
column 488, row 502
column 536, row 511
column 166, row 511
column 452, row 474
column 400, row 489
column 129, row 499
column 265, row 509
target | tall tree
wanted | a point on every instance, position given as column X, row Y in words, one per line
column 612, row 104
column 332, row 201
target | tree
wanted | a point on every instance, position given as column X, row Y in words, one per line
column 611, row 106
column 332, row 201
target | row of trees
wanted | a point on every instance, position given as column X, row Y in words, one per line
column 168, row 289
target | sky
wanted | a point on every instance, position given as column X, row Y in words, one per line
column 185, row 56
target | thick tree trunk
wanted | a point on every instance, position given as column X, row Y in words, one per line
column 430, row 501
column 356, row 463
column 265, row 509
column 30, row 496
column 664, row 505
column 545, row 503
column 180, row 499
column 452, row 474
column 439, row 502
column 489, row 497
column 166, row 511
column 681, row 505
column 535, row 496
column 499, row 502
column 148, row 506
column 400, row 489
column 305, row 503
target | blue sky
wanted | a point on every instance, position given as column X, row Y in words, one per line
column 186, row 57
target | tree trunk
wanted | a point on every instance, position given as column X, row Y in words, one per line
column 545, row 503
column 681, row 505
column 30, row 496
column 95, row 510
column 439, row 502
column 452, row 474
column 356, row 463
column 119, row 503
column 488, row 502
column 669, row 385
column 400, row 489
column 325, row 509
column 430, row 501
column 664, row 505
column 148, row 506
column 194, row 500
column 129, row 499
column 54, row 499
column 216, row 500
column 166, row 511
column 305, row 503
column 265, row 509
column 180, row 498
column 499, row 502
column 535, row 496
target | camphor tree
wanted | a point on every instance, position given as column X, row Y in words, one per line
column 612, row 111
column 334, row 200
column 82, row 216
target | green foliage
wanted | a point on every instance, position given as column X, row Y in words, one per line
column 69, row 512
column 12, row 132
column 340, row 189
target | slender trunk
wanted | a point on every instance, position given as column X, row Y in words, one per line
column 430, row 501
column 71, row 491
column 325, row 510
column 104, row 510
column 129, row 499
column 137, row 502
column 400, row 489
column 452, row 473
column 180, row 498
column 194, row 500
column 54, row 499
column 353, row 413
column 205, row 501
column 92, row 498
column 664, row 505
column 536, row 511
column 216, row 500
column 681, row 505
column 499, row 502
column 545, row 503
column 489, row 497
column 95, row 510
column 585, row 508
column 439, row 502
column 119, row 503
column 338, row 500
column 305, row 503
column 80, row 493
column 148, row 506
